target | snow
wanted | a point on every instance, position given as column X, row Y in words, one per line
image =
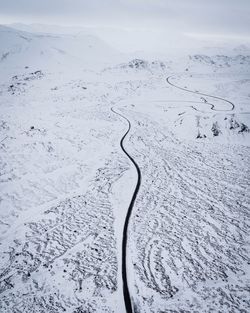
column 66, row 184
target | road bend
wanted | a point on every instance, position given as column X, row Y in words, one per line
column 126, row 293
column 232, row 106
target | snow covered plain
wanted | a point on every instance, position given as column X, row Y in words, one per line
column 66, row 184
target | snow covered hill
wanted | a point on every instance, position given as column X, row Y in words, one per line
column 20, row 49
column 68, row 104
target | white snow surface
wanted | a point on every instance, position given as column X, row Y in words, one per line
column 65, row 183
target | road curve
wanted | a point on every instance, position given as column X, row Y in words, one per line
column 202, row 94
column 126, row 294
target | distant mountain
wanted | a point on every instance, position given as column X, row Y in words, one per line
column 139, row 65
column 21, row 48
column 51, row 29
column 222, row 60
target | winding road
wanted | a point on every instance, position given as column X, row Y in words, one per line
column 126, row 294
column 202, row 94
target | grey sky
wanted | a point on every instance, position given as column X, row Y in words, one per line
column 210, row 16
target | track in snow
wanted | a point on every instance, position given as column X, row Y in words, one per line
column 126, row 294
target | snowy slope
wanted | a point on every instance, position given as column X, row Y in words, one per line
column 20, row 49
column 66, row 184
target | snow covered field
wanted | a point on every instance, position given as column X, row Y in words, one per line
column 66, row 184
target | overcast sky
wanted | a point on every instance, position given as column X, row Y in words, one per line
column 209, row 16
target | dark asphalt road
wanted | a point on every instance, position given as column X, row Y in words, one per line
column 126, row 294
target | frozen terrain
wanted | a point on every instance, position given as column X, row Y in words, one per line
column 76, row 118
